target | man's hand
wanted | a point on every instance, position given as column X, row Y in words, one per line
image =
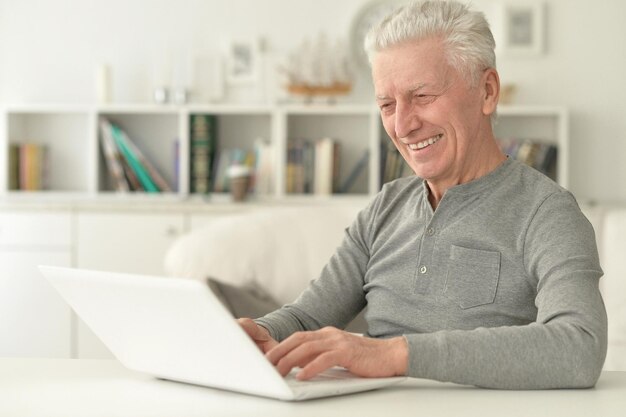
column 319, row 350
column 259, row 334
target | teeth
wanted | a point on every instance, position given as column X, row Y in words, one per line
column 425, row 143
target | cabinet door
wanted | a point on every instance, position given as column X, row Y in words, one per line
column 125, row 242
column 34, row 319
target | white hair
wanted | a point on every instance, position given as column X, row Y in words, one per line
column 469, row 43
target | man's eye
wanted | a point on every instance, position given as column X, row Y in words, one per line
column 425, row 98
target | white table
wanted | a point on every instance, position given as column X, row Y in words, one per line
column 86, row 388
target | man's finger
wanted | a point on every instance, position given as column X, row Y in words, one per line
column 302, row 355
column 248, row 325
column 287, row 345
column 321, row 363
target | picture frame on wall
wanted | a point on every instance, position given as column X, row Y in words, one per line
column 242, row 62
column 522, row 31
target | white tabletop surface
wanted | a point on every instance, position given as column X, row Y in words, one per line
column 58, row 387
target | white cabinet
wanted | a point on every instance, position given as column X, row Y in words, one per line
column 125, row 241
column 133, row 241
column 34, row 320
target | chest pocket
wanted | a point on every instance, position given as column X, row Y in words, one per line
column 472, row 278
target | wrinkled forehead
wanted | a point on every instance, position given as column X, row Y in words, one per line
column 412, row 67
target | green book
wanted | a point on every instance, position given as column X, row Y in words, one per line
column 202, row 152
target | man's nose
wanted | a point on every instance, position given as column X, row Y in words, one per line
column 407, row 120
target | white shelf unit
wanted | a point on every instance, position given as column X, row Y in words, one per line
column 76, row 164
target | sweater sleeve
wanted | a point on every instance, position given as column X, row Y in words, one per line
column 564, row 348
column 337, row 295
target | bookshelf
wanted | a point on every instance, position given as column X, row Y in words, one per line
column 76, row 165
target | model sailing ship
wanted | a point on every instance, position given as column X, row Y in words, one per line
column 319, row 69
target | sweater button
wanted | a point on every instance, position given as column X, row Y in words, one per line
column 430, row 231
column 423, row 269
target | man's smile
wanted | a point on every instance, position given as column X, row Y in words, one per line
column 425, row 143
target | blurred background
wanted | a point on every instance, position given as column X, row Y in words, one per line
column 50, row 52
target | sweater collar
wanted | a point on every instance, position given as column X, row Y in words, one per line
column 480, row 184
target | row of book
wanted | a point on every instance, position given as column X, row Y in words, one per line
column 128, row 168
column 313, row 167
column 28, row 166
column 540, row 155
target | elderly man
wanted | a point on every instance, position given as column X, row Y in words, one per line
column 477, row 270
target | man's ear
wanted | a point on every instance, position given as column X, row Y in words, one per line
column 490, row 86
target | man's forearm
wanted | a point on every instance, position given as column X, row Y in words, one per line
column 537, row 356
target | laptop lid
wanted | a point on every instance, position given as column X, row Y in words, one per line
column 172, row 328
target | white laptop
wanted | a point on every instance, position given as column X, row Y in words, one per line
column 177, row 329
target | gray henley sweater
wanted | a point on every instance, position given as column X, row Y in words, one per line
column 497, row 287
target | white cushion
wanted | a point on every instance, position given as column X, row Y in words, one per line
column 281, row 249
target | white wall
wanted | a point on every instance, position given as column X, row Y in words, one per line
column 584, row 69
column 49, row 49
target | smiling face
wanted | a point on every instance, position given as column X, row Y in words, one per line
column 437, row 120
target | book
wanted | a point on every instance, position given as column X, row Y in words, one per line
column 308, row 161
column 130, row 176
column 154, row 174
column 222, row 158
column 24, row 162
column 176, row 166
column 324, row 166
column 290, row 169
column 112, row 158
column 298, row 172
column 14, row 166
column 262, row 183
column 336, row 166
column 356, row 172
column 32, row 167
column 203, row 143
column 132, row 159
